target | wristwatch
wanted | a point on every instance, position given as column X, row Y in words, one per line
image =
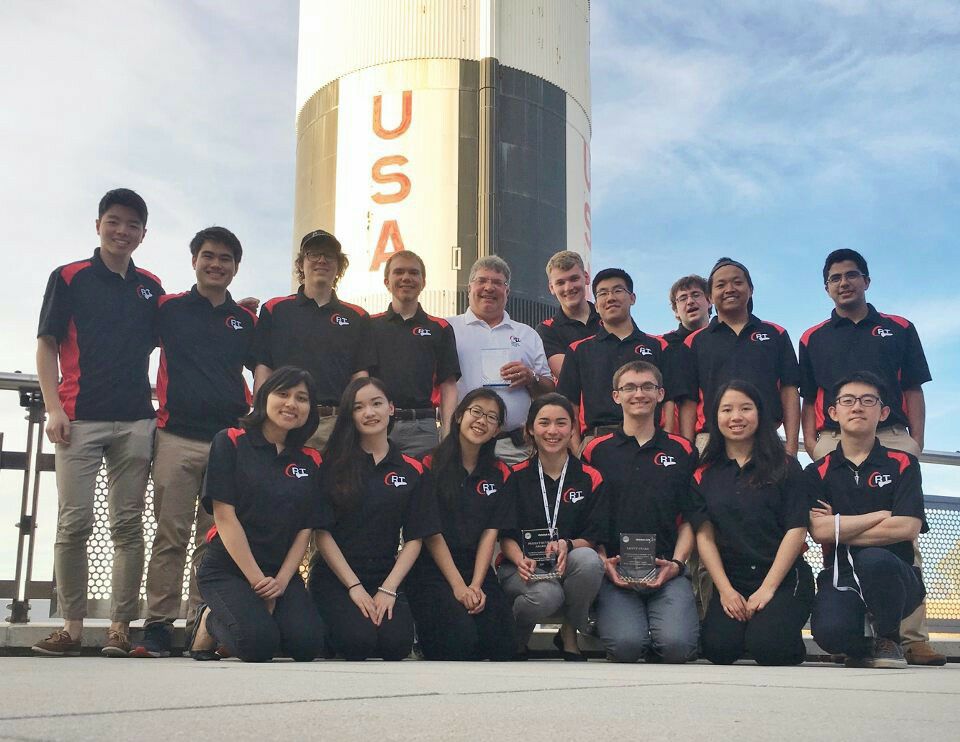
column 681, row 566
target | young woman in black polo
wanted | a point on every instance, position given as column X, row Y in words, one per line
column 750, row 512
column 552, row 490
column 266, row 494
column 459, row 607
column 376, row 492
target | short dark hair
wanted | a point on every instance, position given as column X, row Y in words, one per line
column 285, row 377
column 607, row 273
column 861, row 377
column 841, row 256
column 638, row 367
column 688, row 282
column 220, row 235
column 124, row 197
column 405, row 254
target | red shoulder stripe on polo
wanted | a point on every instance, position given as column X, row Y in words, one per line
column 824, row 466
column 548, row 322
column 575, row 343
column 698, row 474
column 775, row 326
column 685, row 444
column 69, row 271
column 805, row 338
column 689, row 341
column 901, row 458
column 313, row 454
column 428, row 461
column 148, row 274
column 167, row 297
column 596, row 479
column 378, row 315
column 902, row 321
column 212, row 534
column 273, row 302
column 359, row 310
column 520, row 466
column 504, row 469
column 663, row 342
column 253, row 315
column 414, row 463
column 588, row 451
column 439, row 320
column 234, row 434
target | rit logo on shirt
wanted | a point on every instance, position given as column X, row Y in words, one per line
column 486, row 488
column 760, row 337
column 145, row 292
column 233, row 323
column 396, row 480
column 295, row 471
column 881, row 332
column 572, row 495
column 879, row 480
column 339, row 319
column 643, row 350
column 423, row 332
column 661, row 459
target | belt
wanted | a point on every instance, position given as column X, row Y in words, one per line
column 421, row 413
column 326, row 410
column 515, row 436
column 599, row 430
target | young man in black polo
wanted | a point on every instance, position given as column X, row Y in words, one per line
column 95, row 337
column 858, row 337
column 867, row 511
column 567, row 279
column 314, row 330
column 690, row 303
column 418, row 358
column 206, row 339
column 736, row 344
column 590, row 364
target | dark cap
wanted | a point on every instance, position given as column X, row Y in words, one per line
column 722, row 263
column 320, row 237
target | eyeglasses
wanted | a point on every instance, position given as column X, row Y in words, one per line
column 684, row 298
column 317, row 257
column 867, row 400
column 646, row 387
column 497, row 283
column 616, row 292
column 836, row 278
column 477, row 412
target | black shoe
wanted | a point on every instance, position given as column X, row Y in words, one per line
column 201, row 655
column 157, row 638
column 564, row 654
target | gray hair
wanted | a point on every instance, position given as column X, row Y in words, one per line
column 491, row 263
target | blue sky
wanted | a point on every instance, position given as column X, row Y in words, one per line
column 770, row 132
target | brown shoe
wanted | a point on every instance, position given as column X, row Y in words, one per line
column 58, row 644
column 118, row 644
column 921, row 653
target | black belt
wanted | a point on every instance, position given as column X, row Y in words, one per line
column 515, row 436
column 422, row 413
column 326, row 410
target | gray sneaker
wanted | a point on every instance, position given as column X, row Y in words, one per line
column 887, row 654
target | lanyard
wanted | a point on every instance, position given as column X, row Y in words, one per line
column 552, row 524
column 836, row 562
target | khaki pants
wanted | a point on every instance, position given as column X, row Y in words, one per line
column 914, row 627
column 322, row 434
column 416, row 437
column 127, row 448
column 178, row 467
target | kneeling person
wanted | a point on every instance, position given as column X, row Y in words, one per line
column 868, row 509
column 647, row 475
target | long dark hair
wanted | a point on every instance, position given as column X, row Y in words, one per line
column 768, row 458
column 447, row 458
column 285, row 377
column 538, row 404
column 343, row 452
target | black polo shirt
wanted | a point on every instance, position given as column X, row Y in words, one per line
column 394, row 498
column 203, row 349
column 276, row 495
column 676, row 337
column 479, row 503
column 646, row 488
column 104, row 324
column 884, row 344
column 416, row 356
column 885, row 480
column 588, row 367
column 332, row 342
column 761, row 354
column 558, row 331
column 581, row 487
column 750, row 521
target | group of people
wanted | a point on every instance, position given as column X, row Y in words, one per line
column 459, row 481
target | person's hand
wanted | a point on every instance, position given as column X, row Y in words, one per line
column 271, row 605
column 610, row 568
column 733, row 605
column 383, row 604
column 822, row 512
column 481, row 600
column 560, row 549
column 759, row 600
column 58, row 427
column 526, row 568
column 668, row 570
column 362, row 600
column 466, row 597
column 249, row 302
column 270, row 588
column 517, row 374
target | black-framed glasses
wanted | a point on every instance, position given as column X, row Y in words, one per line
column 477, row 412
column 646, row 387
column 836, row 278
column 616, row 291
column 316, row 257
column 866, row 400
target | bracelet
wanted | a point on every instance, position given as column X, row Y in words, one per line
column 355, row 584
column 681, row 566
column 384, row 590
column 569, row 545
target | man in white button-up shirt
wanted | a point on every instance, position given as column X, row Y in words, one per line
column 500, row 353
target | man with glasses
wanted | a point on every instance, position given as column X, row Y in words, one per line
column 691, row 306
column 590, row 363
column 857, row 337
column 567, row 279
column 498, row 352
column 314, row 330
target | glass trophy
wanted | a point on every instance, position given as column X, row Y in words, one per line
column 535, row 542
column 638, row 555
column 491, row 361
